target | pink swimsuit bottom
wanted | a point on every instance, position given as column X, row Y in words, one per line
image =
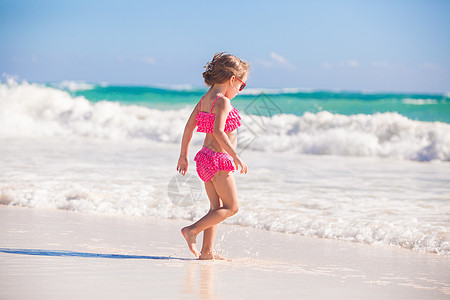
column 209, row 162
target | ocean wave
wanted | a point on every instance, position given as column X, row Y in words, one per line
column 35, row 110
column 381, row 134
column 143, row 200
column 267, row 91
column 410, row 234
column 74, row 86
column 371, row 201
column 419, row 101
column 176, row 87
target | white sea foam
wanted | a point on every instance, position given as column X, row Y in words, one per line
column 74, row 85
column 368, row 200
column 176, row 87
column 65, row 152
column 34, row 110
column 257, row 91
column 419, row 101
column 381, row 134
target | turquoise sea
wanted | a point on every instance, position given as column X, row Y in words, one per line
column 420, row 107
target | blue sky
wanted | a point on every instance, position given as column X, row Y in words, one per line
column 400, row 46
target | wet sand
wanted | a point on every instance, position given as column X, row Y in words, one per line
column 54, row 254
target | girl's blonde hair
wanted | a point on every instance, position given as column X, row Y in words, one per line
column 222, row 67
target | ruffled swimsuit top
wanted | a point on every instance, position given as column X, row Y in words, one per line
column 205, row 121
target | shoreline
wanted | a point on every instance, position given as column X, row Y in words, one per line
column 77, row 250
column 369, row 200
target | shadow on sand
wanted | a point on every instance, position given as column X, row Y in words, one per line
column 40, row 252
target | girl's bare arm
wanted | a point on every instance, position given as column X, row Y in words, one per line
column 187, row 137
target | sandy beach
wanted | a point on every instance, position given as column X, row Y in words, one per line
column 54, row 254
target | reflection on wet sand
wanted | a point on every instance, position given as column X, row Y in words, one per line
column 199, row 280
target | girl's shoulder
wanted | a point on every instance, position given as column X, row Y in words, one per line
column 223, row 98
column 223, row 101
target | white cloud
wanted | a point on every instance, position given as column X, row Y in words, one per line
column 353, row 63
column 275, row 60
column 278, row 58
column 326, row 65
column 149, row 60
column 431, row 67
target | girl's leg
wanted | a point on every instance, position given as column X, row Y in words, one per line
column 209, row 234
column 225, row 187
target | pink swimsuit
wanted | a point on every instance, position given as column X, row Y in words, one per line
column 205, row 121
column 208, row 161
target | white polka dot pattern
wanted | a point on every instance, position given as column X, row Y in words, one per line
column 209, row 162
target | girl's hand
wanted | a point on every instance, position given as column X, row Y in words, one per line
column 182, row 165
column 239, row 162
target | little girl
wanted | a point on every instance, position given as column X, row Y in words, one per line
column 226, row 75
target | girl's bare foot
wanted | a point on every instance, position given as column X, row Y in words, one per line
column 191, row 241
column 211, row 255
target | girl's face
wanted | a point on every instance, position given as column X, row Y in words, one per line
column 234, row 86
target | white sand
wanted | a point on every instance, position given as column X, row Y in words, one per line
column 265, row 264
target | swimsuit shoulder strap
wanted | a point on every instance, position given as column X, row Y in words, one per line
column 214, row 103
